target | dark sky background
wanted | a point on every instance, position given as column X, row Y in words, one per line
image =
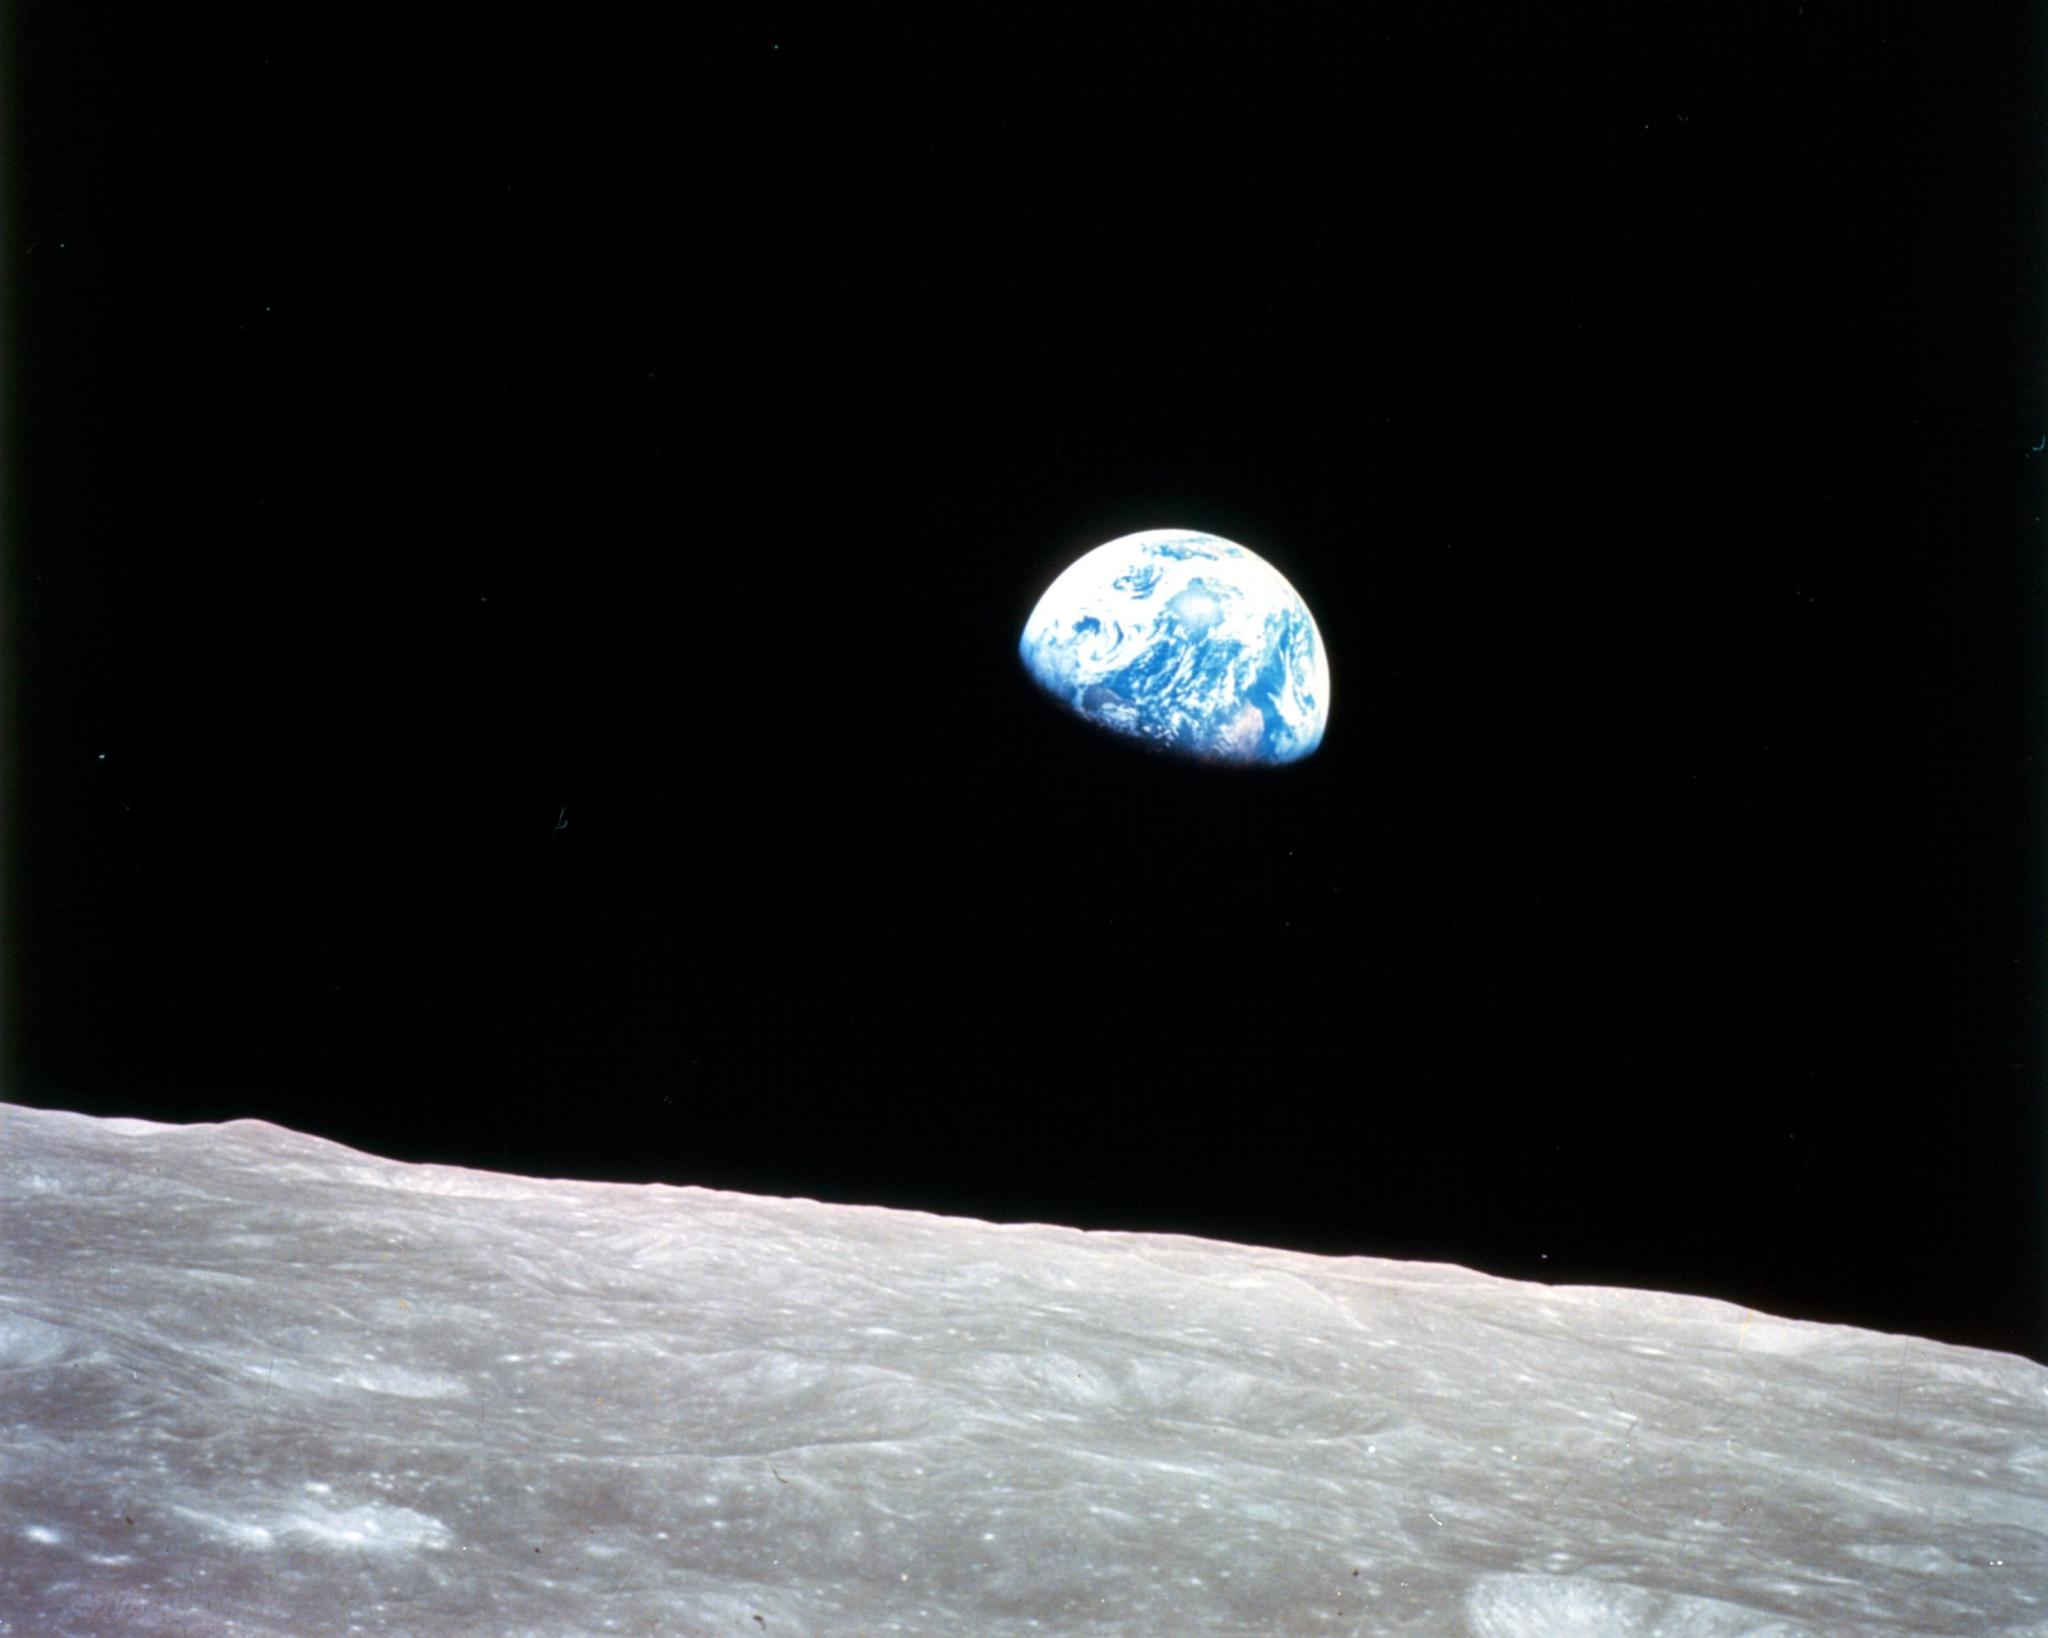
column 521, row 515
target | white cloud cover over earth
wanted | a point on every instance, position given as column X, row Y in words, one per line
column 253, row 1382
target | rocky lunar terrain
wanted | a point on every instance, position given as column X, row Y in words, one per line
column 253, row 1382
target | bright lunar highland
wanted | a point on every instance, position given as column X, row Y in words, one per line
column 252, row 1382
column 1188, row 642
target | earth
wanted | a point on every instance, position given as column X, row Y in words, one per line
column 1188, row 642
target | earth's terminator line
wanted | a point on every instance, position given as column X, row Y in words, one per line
column 1187, row 642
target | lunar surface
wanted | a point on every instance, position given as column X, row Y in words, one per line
column 252, row 1382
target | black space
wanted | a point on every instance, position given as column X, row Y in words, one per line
column 431, row 424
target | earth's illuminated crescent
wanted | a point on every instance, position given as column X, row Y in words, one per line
column 1188, row 642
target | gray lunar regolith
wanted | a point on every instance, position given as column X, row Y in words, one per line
column 252, row 1382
